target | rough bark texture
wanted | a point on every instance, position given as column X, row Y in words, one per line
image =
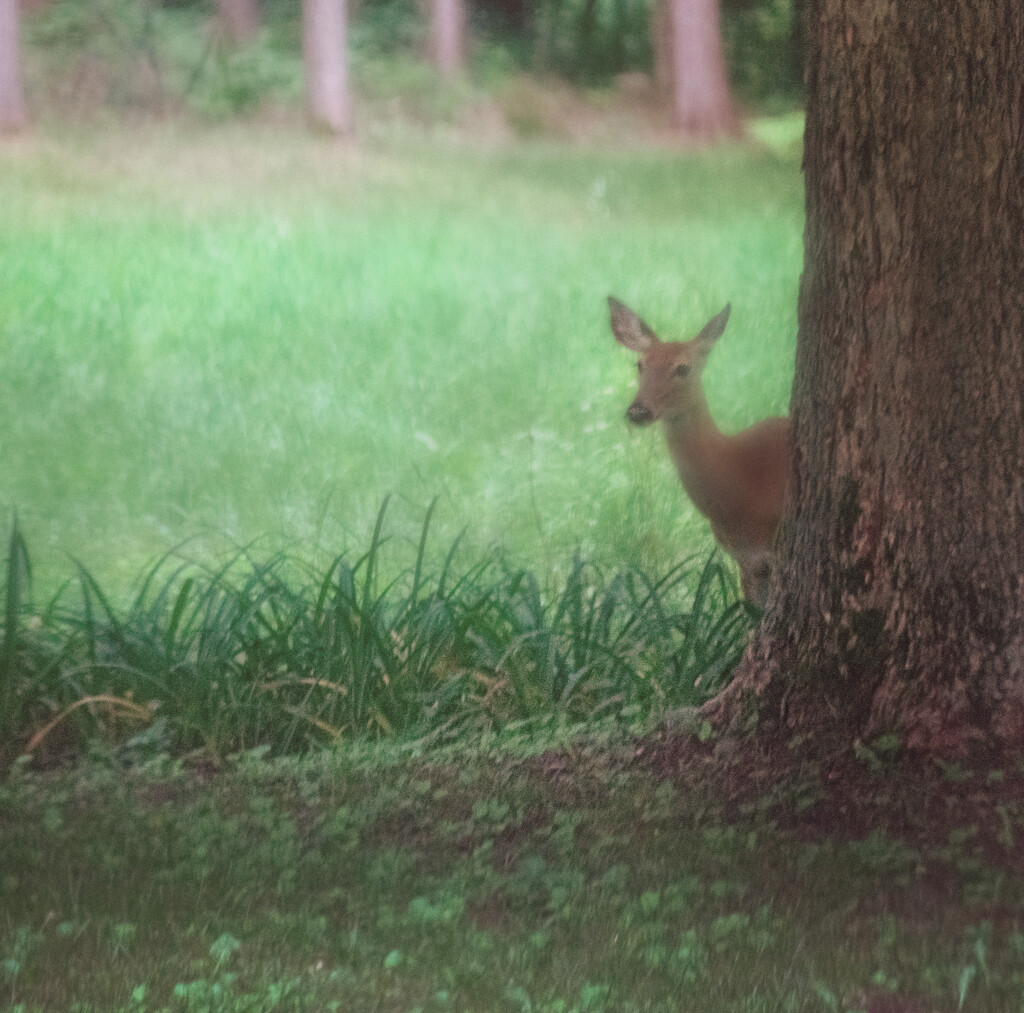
column 688, row 56
column 239, row 19
column 899, row 600
column 13, row 114
column 448, row 21
column 324, row 52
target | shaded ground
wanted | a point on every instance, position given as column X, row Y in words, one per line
column 924, row 804
column 598, row 873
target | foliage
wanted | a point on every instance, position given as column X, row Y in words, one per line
column 384, row 28
column 228, row 80
column 136, row 54
column 270, row 654
column 144, row 54
column 551, row 869
column 761, row 52
column 12, row 671
column 589, row 41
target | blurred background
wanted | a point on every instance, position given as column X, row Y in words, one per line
column 512, row 64
column 264, row 263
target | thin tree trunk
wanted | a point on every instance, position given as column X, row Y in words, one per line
column 899, row 601
column 661, row 46
column 701, row 101
column 13, row 114
column 324, row 51
column 239, row 19
column 448, row 36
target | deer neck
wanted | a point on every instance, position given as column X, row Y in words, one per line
column 698, row 449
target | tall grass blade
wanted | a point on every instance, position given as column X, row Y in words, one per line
column 91, row 589
column 18, row 580
column 174, row 622
column 371, row 556
column 417, row 575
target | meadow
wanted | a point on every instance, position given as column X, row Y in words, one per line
column 315, row 444
column 211, row 337
column 306, row 441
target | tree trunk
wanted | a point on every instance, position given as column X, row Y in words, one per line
column 13, row 115
column 324, row 53
column 692, row 51
column 239, row 20
column 448, row 37
column 661, row 46
column 898, row 605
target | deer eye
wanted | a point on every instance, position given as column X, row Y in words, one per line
column 682, row 370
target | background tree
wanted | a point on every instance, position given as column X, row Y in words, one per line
column 899, row 602
column 239, row 19
column 324, row 38
column 12, row 99
column 447, row 43
column 688, row 62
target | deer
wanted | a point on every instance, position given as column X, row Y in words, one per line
column 738, row 482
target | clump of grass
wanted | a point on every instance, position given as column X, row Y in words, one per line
column 278, row 655
column 18, row 574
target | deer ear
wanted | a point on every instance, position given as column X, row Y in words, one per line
column 714, row 329
column 628, row 328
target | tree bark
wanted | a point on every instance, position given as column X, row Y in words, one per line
column 13, row 114
column 661, row 48
column 448, row 46
column 898, row 604
column 239, row 20
column 688, row 51
column 324, row 42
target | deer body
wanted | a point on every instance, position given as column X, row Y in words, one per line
column 738, row 482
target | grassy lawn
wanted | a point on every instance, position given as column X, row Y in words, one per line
column 563, row 870
column 221, row 335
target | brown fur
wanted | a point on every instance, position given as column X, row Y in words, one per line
column 738, row 482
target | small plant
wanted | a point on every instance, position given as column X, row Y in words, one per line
column 16, row 588
column 273, row 655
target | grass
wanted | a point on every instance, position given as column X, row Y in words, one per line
column 270, row 654
column 555, row 870
column 228, row 334
column 362, row 408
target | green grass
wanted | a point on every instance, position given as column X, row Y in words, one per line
column 246, row 333
column 270, row 654
column 247, row 340
column 556, row 872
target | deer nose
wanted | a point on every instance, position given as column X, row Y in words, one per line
column 639, row 414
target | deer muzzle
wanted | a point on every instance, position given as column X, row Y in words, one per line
column 639, row 414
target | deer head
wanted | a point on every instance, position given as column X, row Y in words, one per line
column 670, row 371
